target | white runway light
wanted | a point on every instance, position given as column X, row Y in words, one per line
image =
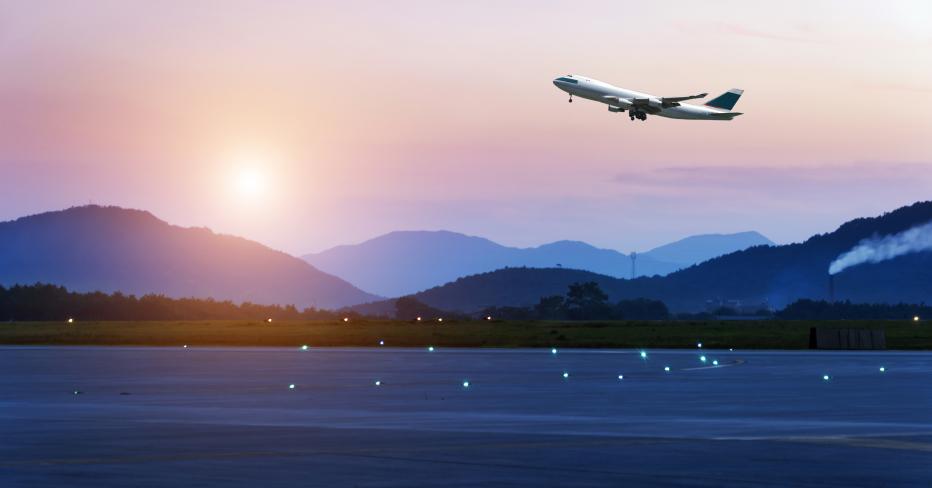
column 882, row 369
column 553, row 351
column 566, row 375
column 381, row 343
column 826, row 377
column 699, row 345
column 702, row 358
column 378, row 383
column 621, row 377
column 430, row 348
column 715, row 362
column 304, row 347
column 666, row 368
column 291, row 386
column 465, row 384
column 643, row 354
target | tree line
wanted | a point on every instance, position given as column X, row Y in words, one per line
column 582, row 301
column 585, row 301
column 52, row 303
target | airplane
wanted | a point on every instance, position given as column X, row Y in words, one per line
column 638, row 104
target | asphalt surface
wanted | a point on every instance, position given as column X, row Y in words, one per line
column 120, row 416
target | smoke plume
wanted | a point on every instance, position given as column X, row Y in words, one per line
column 877, row 249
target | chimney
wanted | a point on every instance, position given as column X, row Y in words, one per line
column 831, row 288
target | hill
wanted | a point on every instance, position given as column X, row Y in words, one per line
column 699, row 248
column 771, row 276
column 405, row 262
column 111, row 249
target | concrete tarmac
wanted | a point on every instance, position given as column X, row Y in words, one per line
column 124, row 416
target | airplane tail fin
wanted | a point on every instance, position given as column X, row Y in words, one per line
column 727, row 100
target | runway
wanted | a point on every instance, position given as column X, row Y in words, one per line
column 118, row 416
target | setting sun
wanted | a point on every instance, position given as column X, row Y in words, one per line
column 249, row 182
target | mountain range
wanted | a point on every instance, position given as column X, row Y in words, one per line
column 404, row 262
column 94, row 248
column 760, row 276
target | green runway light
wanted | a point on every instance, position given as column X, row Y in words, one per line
column 643, row 354
column 553, row 351
column 666, row 368
column 702, row 358
column 715, row 362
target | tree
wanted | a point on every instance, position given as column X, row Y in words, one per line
column 587, row 301
column 551, row 307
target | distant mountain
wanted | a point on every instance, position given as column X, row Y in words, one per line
column 405, row 262
column 696, row 249
column 773, row 275
column 113, row 249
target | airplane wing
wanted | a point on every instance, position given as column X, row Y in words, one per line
column 667, row 102
column 618, row 101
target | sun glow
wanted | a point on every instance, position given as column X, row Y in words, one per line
column 249, row 181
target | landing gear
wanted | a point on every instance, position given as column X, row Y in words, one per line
column 571, row 98
column 637, row 115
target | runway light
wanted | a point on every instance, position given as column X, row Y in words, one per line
column 381, row 343
column 553, row 350
column 269, row 320
column 304, row 347
column 702, row 358
column 430, row 348
column 621, row 376
column 643, row 354
column 699, row 345
column 566, row 375
column 378, row 382
column 185, row 346
column 70, row 320
column 465, row 384
column 291, row 386
column 418, row 319
column 488, row 317
column 666, row 368
column 915, row 318
column 440, row 319
column 730, row 349
column 826, row 377
column 715, row 362
column 882, row 369
column 76, row 392
column 346, row 319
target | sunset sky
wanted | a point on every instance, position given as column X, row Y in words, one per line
column 305, row 125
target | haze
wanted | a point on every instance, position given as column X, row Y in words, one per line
column 305, row 125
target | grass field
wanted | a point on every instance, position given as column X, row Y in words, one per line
column 759, row 334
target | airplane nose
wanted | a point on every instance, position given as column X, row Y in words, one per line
column 556, row 82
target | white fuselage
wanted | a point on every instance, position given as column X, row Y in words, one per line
column 598, row 91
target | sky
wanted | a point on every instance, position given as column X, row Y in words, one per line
column 305, row 125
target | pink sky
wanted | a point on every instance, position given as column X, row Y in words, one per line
column 366, row 117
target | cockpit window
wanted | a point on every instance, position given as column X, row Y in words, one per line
column 568, row 80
